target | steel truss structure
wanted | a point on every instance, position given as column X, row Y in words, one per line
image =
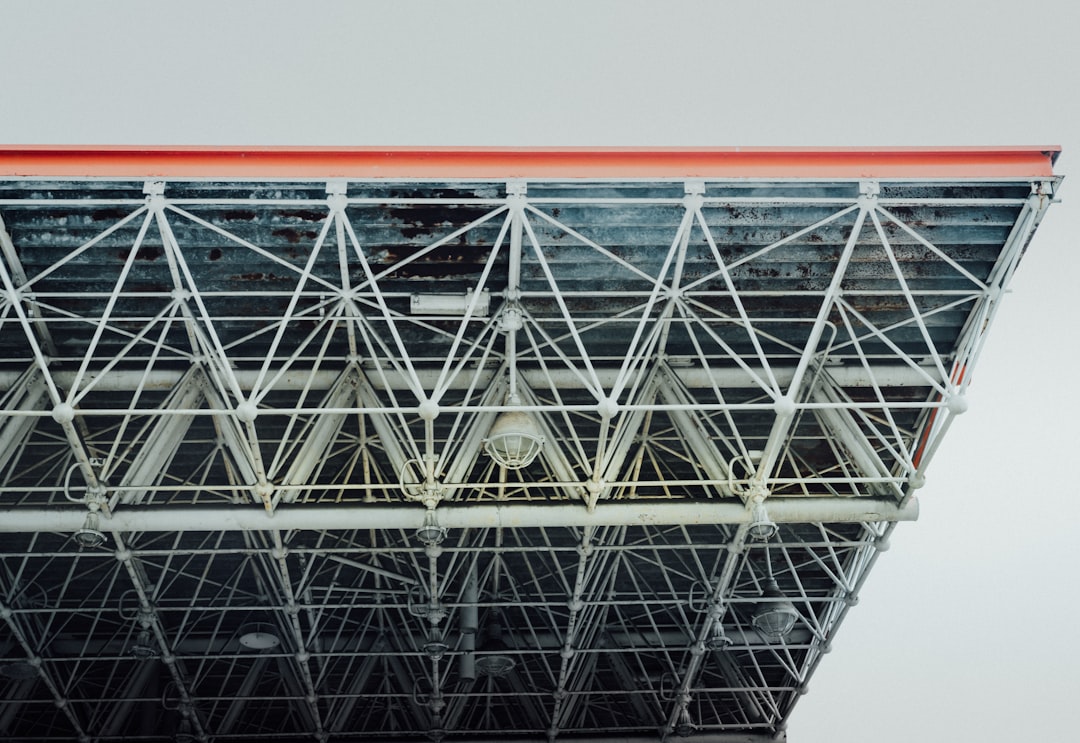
column 260, row 388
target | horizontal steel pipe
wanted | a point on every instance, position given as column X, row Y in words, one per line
column 457, row 516
column 891, row 375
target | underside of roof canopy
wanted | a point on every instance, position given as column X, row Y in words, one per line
column 265, row 389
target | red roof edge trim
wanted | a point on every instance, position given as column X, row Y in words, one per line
column 573, row 162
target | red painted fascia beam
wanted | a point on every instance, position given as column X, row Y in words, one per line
column 544, row 162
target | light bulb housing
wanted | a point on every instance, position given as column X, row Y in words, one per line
column 90, row 535
column 492, row 660
column 184, row 733
column 430, row 533
column 435, row 648
column 514, row 440
column 685, row 726
column 718, row 639
column 776, row 617
column 144, row 648
column 762, row 528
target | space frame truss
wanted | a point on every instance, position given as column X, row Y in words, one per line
column 335, row 390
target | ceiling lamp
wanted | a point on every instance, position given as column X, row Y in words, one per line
column 762, row 528
column 90, row 535
column 144, row 648
column 184, row 732
column 259, row 636
column 777, row 615
column 685, row 727
column 430, row 533
column 514, row 440
column 718, row 639
column 435, row 647
column 494, row 661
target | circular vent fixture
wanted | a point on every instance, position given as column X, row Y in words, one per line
column 259, row 637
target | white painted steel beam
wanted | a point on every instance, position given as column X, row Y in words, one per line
column 887, row 375
column 859, row 451
column 702, row 442
column 29, row 393
column 508, row 515
column 150, row 460
column 318, row 438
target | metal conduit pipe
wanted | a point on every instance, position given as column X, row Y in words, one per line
column 469, row 625
column 451, row 516
column 888, row 375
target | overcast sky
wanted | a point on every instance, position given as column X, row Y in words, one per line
column 966, row 629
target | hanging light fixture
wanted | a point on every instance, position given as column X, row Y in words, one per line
column 718, row 639
column 90, row 535
column 258, row 636
column 430, row 533
column 776, row 616
column 184, row 732
column 514, row 440
column 685, row 727
column 494, row 659
column 762, row 528
column 435, row 647
column 144, row 648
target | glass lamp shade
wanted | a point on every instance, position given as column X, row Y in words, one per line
column 90, row 535
column 775, row 618
column 514, row 440
column 493, row 658
column 762, row 527
column 435, row 648
column 718, row 639
column 430, row 532
column 494, row 664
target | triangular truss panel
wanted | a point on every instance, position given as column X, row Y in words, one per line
column 469, row 445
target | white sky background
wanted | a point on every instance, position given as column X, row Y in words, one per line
column 966, row 630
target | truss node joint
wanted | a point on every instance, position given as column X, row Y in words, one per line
column 608, row 407
column 957, row 404
column 694, row 201
column 428, row 410
column 63, row 413
column 336, row 202
column 784, row 406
